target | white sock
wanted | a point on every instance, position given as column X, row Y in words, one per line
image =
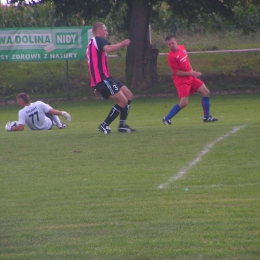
column 57, row 121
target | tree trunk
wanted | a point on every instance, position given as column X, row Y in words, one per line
column 150, row 66
column 141, row 57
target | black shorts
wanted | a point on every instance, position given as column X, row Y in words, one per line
column 109, row 87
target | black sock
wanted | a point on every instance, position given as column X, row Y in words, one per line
column 114, row 112
column 124, row 113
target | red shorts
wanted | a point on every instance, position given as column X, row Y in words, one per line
column 188, row 87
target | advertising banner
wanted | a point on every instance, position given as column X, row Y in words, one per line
column 44, row 43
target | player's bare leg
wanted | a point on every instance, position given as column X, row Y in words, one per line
column 122, row 108
column 120, row 99
column 127, row 97
column 183, row 102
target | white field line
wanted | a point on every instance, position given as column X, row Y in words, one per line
column 205, row 150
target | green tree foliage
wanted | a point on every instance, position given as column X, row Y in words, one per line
column 35, row 15
column 248, row 17
column 29, row 16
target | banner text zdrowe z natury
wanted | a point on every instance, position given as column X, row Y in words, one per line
column 44, row 44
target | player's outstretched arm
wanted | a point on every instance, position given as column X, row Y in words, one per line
column 192, row 73
column 117, row 46
column 59, row 113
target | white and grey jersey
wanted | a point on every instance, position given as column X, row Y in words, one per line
column 34, row 116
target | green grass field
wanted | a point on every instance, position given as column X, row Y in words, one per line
column 79, row 194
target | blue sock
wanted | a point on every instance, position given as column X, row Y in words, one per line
column 205, row 105
column 175, row 109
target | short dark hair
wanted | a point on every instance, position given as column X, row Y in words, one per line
column 168, row 37
column 24, row 97
column 96, row 27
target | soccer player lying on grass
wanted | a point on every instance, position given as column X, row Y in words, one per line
column 37, row 116
column 185, row 80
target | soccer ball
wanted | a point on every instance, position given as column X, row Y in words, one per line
column 14, row 123
column 10, row 124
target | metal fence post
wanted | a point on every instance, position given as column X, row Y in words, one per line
column 174, row 26
column 67, row 79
